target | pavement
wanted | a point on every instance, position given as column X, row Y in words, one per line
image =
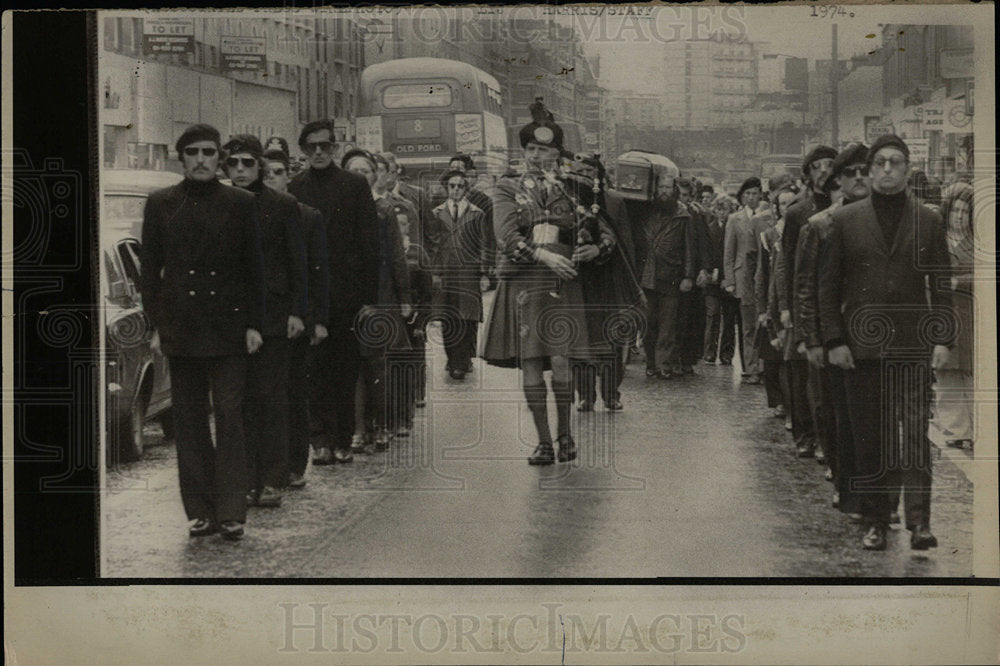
column 693, row 478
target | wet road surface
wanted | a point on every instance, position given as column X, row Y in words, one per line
column 693, row 478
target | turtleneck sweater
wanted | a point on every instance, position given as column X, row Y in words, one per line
column 888, row 212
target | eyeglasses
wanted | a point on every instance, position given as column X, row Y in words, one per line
column 860, row 171
column 276, row 171
column 324, row 146
column 247, row 162
column 192, row 151
column 894, row 162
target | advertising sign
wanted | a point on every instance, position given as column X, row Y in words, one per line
column 948, row 116
column 244, row 54
column 167, row 35
column 920, row 150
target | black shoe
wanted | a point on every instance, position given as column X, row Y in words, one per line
column 651, row 372
column 323, row 457
column 835, row 503
column 342, row 456
column 875, row 538
column 253, row 496
column 805, row 450
column 855, row 518
column 828, row 475
column 457, row 374
column 820, row 456
column 585, row 406
column 419, row 404
column 665, row 374
column 726, row 361
column 269, row 497
column 296, row 480
column 615, row 406
column 754, row 380
column 543, row 454
column 202, row 527
column 232, row 530
column 567, row 448
column 709, row 359
column 382, row 439
column 922, row 539
column 468, row 368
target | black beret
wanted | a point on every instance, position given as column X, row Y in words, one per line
column 856, row 153
column 748, row 184
column 817, row 153
column 199, row 132
column 357, row 152
column 244, row 143
column 885, row 141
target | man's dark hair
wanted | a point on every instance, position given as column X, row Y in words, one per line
column 195, row 133
column 684, row 184
column 316, row 126
column 466, row 160
column 357, row 152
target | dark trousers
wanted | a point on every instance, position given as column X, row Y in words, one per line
column 337, row 362
column 608, row 370
column 691, row 329
column 404, row 373
column 660, row 341
column 265, row 414
column 773, row 384
column 213, row 479
column 840, row 440
column 803, row 430
column 888, row 405
column 721, row 317
column 298, row 405
column 459, row 342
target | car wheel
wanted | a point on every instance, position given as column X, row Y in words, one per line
column 130, row 443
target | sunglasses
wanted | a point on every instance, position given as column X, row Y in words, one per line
column 313, row 146
column 276, row 171
column 191, row 151
column 247, row 162
column 850, row 172
column 895, row 162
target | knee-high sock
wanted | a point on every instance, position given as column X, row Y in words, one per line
column 564, row 401
column 537, row 396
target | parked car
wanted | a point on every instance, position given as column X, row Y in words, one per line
column 137, row 378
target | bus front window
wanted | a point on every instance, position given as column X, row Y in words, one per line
column 416, row 95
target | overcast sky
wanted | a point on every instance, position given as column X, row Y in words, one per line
column 630, row 46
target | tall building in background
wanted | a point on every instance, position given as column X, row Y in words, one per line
column 262, row 76
column 708, row 83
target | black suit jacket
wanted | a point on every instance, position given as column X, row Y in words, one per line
column 202, row 269
column 345, row 200
column 317, row 265
column 284, row 260
column 873, row 294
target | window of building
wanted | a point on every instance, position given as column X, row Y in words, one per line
column 110, row 34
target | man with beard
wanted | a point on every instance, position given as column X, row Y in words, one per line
column 848, row 182
column 348, row 210
column 276, row 177
column 666, row 272
column 265, row 410
column 884, row 313
column 803, row 383
column 203, row 290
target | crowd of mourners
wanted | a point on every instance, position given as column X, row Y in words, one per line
column 295, row 308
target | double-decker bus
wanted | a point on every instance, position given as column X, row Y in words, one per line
column 424, row 110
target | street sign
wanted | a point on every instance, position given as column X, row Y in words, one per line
column 876, row 127
column 244, row 54
column 956, row 64
column 167, row 35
